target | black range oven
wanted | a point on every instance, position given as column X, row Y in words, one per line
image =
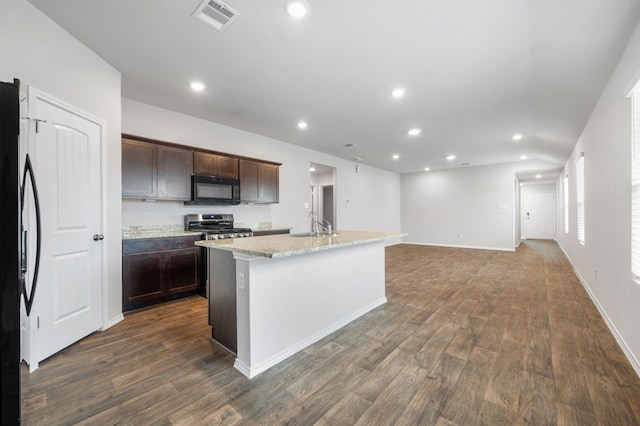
column 215, row 226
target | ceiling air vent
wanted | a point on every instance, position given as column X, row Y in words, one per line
column 215, row 14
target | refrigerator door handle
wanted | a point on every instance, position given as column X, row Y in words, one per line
column 28, row 298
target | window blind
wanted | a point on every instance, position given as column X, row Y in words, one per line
column 580, row 199
column 635, row 183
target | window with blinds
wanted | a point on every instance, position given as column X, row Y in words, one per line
column 635, row 183
column 580, row 199
column 565, row 193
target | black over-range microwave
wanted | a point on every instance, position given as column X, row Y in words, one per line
column 213, row 190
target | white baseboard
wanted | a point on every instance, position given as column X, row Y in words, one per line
column 253, row 371
column 113, row 321
column 612, row 328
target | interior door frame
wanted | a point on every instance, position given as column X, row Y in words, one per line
column 333, row 203
column 523, row 212
column 33, row 95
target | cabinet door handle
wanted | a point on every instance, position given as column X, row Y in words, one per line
column 98, row 237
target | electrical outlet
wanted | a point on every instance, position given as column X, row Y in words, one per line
column 241, row 284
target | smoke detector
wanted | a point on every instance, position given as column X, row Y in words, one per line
column 215, row 14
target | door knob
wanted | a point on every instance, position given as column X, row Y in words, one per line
column 97, row 237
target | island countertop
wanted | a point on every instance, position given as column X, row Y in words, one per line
column 275, row 246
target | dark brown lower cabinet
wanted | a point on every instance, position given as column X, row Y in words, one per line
column 156, row 270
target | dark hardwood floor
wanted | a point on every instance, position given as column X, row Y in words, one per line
column 468, row 337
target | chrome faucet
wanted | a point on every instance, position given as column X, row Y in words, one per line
column 314, row 222
column 317, row 224
column 326, row 226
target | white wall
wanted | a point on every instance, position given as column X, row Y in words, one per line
column 368, row 200
column 38, row 52
column 606, row 142
column 322, row 179
column 464, row 207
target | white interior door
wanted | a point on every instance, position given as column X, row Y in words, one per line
column 539, row 215
column 66, row 154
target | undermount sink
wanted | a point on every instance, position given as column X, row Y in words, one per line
column 311, row 234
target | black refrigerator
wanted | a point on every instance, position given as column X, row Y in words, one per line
column 13, row 249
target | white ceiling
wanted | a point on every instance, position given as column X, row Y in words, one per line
column 475, row 71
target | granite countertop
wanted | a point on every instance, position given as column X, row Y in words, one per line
column 136, row 232
column 275, row 246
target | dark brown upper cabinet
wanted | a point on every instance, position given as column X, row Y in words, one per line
column 154, row 171
column 175, row 167
column 259, row 182
column 162, row 171
column 139, row 169
column 208, row 164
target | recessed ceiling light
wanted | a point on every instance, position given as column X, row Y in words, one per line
column 426, row 169
column 414, row 132
column 451, row 157
column 296, row 8
column 312, row 169
column 538, row 176
column 396, row 156
column 516, row 137
column 398, row 92
column 302, row 125
column 197, row 86
column 523, row 157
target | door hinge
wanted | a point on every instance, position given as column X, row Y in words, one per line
column 38, row 323
column 37, row 121
column 38, row 124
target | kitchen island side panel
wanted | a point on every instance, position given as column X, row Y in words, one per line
column 286, row 304
column 222, row 298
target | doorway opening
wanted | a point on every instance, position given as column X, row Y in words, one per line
column 323, row 193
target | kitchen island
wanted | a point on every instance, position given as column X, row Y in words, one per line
column 292, row 291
